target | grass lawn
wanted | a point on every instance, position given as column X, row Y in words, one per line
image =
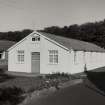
column 28, row 82
column 90, row 92
column 12, row 88
column 22, row 82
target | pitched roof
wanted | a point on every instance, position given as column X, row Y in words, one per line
column 73, row 43
column 5, row 44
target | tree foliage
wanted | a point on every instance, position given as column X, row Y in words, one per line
column 14, row 36
column 90, row 32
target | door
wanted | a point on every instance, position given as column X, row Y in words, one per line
column 35, row 62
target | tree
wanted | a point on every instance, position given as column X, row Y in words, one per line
column 90, row 32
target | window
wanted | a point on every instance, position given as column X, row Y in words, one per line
column 33, row 39
column 75, row 57
column 36, row 38
column 53, row 56
column 2, row 55
column 20, row 56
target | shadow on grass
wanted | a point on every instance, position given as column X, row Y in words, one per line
column 97, row 78
column 11, row 96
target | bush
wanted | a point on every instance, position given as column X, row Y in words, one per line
column 54, row 79
column 1, row 71
column 59, row 76
column 5, row 77
column 11, row 95
column 50, row 80
column 30, row 90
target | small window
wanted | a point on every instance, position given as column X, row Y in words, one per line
column 53, row 56
column 33, row 39
column 36, row 38
column 75, row 57
column 2, row 55
column 39, row 39
column 20, row 56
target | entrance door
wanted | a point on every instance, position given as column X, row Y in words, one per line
column 35, row 62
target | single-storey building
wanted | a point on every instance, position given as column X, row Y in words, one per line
column 4, row 45
column 44, row 53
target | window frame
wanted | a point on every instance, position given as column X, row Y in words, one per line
column 53, row 57
column 35, row 39
column 20, row 56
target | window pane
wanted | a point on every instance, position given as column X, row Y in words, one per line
column 53, row 56
column 33, row 39
column 39, row 39
column 36, row 38
column 20, row 56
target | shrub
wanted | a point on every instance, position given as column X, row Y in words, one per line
column 1, row 71
column 31, row 89
column 5, row 77
column 11, row 95
column 55, row 79
column 60, row 76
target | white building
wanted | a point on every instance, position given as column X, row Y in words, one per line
column 4, row 45
column 45, row 53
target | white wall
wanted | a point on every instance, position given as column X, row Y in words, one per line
column 43, row 47
column 77, row 64
column 94, row 60
column 28, row 46
column 63, row 55
column 65, row 58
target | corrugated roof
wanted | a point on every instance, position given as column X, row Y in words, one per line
column 5, row 44
column 73, row 43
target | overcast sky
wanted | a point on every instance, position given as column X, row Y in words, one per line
column 37, row 14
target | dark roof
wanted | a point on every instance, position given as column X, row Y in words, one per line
column 73, row 43
column 5, row 44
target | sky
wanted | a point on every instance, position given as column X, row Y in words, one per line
column 38, row 14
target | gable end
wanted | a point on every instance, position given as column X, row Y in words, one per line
column 37, row 33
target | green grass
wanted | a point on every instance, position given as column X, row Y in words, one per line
column 11, row 96
column 22, row 82
column 31, row 83
column 13, row 87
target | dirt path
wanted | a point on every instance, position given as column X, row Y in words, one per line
column 71, row 95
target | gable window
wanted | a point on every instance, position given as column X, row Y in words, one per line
column 36, row 38
column 33, row 39
column 20, row 56
column 53, row 56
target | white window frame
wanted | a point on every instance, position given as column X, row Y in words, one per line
column 35, row 38
column 53, row 56
column 20, row 56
